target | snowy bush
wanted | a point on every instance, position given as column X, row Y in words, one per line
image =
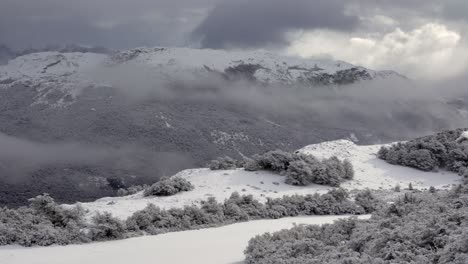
column 168, row 187
column 442, row 150
column 106, row 227
column 236, row 208
column 43, row 223
column 225, row 163
column 276, row 160
column 131, row 190
column 306, row 170
column 417, row 228
column 299, row 169
column 367, row 200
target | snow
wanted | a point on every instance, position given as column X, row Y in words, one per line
column 49, row 72
column 50, row 64
column 223, row 245
column 70, row 73
column 463, row 136
column 370, row 172
column 374, row 173
column 218, row 184
column 274, row 67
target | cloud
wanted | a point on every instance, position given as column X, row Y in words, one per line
column 19, row 158
column 431, row 51
column 110, row 23
column 215, row 23
column 246, row 23
column 372, row 33
column 448, row 10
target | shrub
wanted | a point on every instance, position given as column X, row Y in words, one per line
column 307, row 170
column 367, row 200
column 115, row 183
column 154, row 220
column 397, row 188
column 251, row 165
column 417, row 228
column 225, row 163
column 168, row 187
column 299, row 169
column 276, row 160
column 442, row 150
column 106, row 227
column 131, row 190
column 43, row 223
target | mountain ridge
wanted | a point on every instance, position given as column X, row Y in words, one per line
column 71, row 70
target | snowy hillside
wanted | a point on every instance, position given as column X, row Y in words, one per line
column 69, row 73
column 264, row 66
column 58, row 78
column 223, row 245
column 370, row 172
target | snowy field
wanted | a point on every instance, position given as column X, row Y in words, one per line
column 223, row 245
column 370, row 172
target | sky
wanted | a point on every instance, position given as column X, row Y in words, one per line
column 425, row 39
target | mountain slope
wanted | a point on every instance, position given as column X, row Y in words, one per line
column 370, row 172
column 225, row 244
column 70, row 73
column 150, row 112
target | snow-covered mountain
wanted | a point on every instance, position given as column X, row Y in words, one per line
column 69, row 73
column 266, row 67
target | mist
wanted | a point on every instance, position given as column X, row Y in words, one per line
column 19, row 158
column 142, row 124
column 394, row 109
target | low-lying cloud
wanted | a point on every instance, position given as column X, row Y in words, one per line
column 396, row 108
column 21, row 157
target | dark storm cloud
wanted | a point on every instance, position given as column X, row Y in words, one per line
column 263, row 22
column 216, row 23
column 110, row 23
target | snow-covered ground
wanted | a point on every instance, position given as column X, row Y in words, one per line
column 223, row 245
column 374, row 173
column 370, row 172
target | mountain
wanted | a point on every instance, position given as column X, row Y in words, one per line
column 70, row 71
column 112, row 120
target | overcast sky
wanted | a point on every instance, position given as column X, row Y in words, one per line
column 420, row 38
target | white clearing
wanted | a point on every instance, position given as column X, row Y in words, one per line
column 223, row 245
column 370, row 172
